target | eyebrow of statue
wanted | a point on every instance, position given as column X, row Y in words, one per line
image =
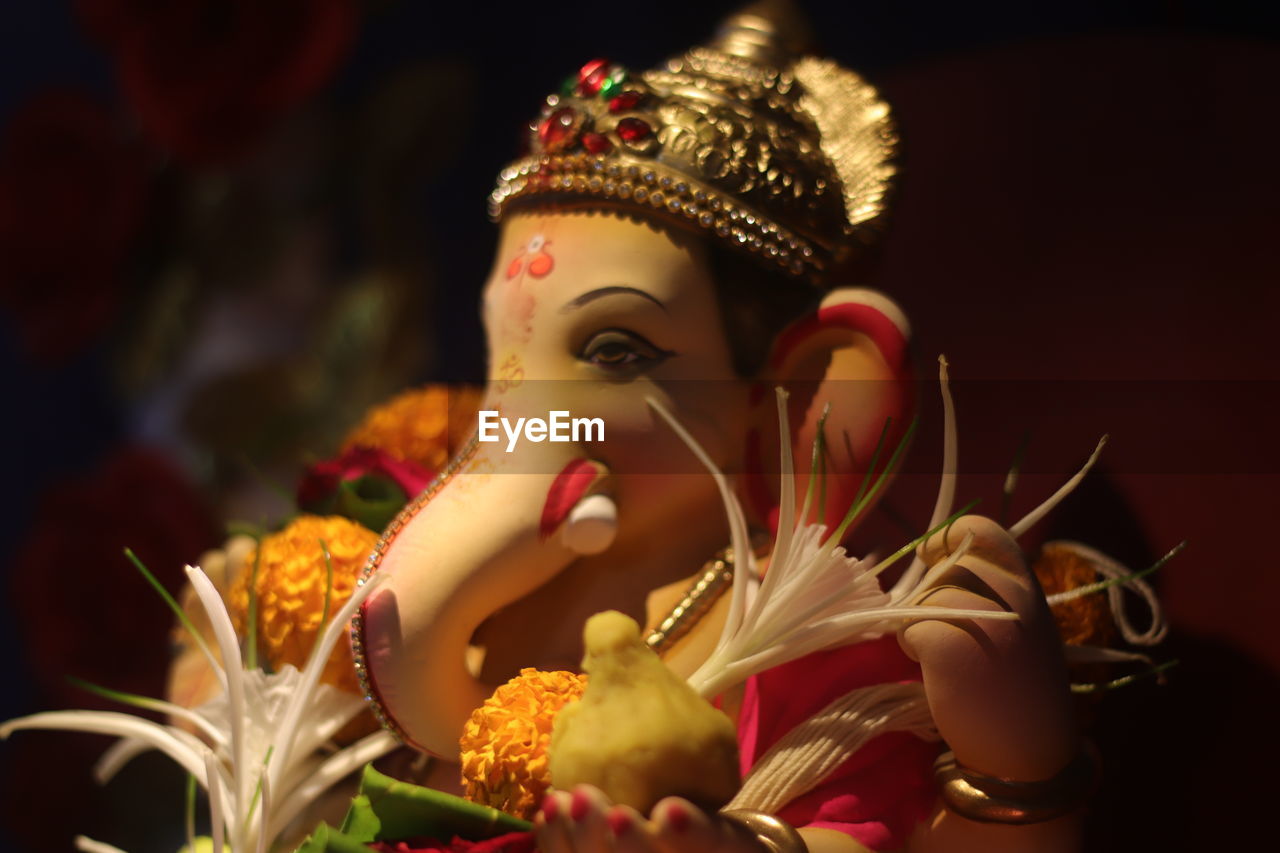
column 600, row 292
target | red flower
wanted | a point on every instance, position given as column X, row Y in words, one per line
column 82, row 608
column 364, row 484
column 512, row 842
column 206, row 78
column 72, row 198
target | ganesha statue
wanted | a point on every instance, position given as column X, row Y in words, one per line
column 622, row 617
column 677, row 244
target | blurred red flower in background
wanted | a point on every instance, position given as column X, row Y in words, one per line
column 73, row 193
column 205, row 78
column 82, row 608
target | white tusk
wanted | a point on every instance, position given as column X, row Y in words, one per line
column 591, row 525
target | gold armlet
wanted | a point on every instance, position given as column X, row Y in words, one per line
column 773, row 832
column 989, row 799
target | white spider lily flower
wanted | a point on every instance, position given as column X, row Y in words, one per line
column 815, row 595
column 266, row 753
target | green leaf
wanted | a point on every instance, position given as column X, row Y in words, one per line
column 251, row 654
column 1124, row 681
column 328, row 585
column 169, row 600
column 246, row 528
column 371, row 500
column 865, row 498
column 132, row 699
column 326, row 839
column 361, row 822
column 405, row 810
column 919, row 540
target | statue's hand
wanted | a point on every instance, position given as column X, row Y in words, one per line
column 584, row 821
column 998, row 690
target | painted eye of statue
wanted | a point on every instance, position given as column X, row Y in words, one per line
column 622, row 351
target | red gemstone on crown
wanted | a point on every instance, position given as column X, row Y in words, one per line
column 596, row 143
column 592, row 76
column 634, row 129
column 557, row 130
column 625, row 101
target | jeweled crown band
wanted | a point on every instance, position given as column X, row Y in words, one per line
column 787, row 157
column 665, row 191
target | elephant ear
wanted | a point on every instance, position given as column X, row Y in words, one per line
column 850, row 353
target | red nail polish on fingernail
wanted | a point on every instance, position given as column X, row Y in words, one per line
column 580, row 806
column 678, row 817
column 550, row 809
column 619, row 821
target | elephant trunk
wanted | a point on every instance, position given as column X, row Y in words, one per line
column 484, row 540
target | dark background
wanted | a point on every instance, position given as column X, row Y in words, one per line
column 225, row 230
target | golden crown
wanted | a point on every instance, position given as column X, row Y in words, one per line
column 788, row 157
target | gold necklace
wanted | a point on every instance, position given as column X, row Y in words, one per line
column 716, row 577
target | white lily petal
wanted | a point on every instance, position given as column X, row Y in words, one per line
column 329, row 710
column 287, row 731
column 217, row 737
column 336, row 767
column 88, row 845
column 946, row 487
column 787, row 489
column 264, row 812
column 117, row 756
column 127, row 749
column 217, row 819
column 899, row 614
column 743, row 558
column 301, row 770
column 225, row 633
column 1067, row 488
column 114, row 723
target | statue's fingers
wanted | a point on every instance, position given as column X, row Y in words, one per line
column 551, row 823
column 682, row 827
column 992, row 566
column 631, row 832
column 997, row 689
column 992, row 552
column 588, row 830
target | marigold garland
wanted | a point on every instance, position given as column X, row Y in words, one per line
column 291, row 581
column 504, row 744
column 425, row 425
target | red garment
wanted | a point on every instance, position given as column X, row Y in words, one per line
column 879, row 795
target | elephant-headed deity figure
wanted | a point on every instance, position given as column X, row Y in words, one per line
column 684, row 239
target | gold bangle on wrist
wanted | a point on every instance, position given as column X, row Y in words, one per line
column 990, row 799
column 773, row 832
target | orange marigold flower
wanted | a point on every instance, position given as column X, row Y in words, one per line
column 425, row 425
column 290, row 586
column 1081, row 621
column 504, row 744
